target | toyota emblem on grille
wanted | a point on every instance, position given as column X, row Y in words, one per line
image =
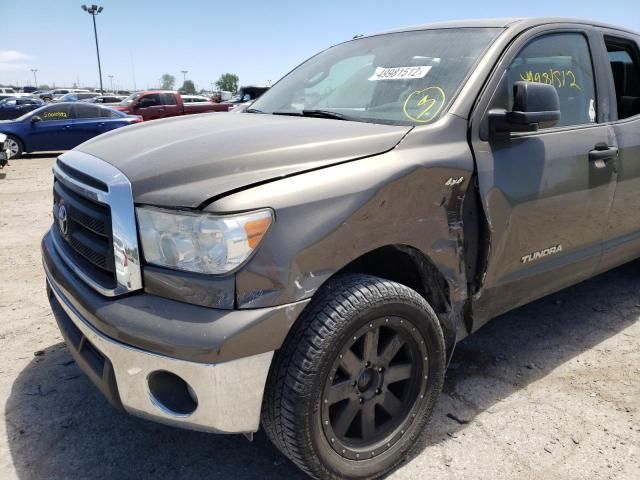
column 62, row 219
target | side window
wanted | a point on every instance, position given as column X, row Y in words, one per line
column 56, row 112
column 108, row 113
column 151, row 100
column 625, row 67
column 564, row 61
column 168, row 99
column 84, row 111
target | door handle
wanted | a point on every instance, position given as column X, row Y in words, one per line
column 603, row 153
column 101, row 124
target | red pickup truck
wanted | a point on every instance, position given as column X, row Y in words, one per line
column 154, row 104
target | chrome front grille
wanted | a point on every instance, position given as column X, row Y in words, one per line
column 87, row 231
column 94, row 223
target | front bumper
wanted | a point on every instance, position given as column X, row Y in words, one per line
column 227, row 392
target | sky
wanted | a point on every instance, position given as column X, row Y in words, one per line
column 258, row 40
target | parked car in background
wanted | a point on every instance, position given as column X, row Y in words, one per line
column 105, row 99
column 154, row 104
column 14, row 107
column 123, row 92
column 246, row 95
column 195, row 99
column 76, row 97
column 59, row 92
column 6, row 92
column 4, row 151
column 61, row 126
column 30, row 90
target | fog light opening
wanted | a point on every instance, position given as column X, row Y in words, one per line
column 172, row 393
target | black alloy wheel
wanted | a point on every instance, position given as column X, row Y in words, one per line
column 371, row 391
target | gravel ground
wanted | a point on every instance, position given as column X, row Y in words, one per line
column 551, row 390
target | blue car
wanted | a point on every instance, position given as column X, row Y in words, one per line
column 61, row 126
column 14, row 107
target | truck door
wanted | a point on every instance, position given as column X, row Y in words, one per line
column 546, row 194
column 150, row 106
column 622, row 234
column 170, row 104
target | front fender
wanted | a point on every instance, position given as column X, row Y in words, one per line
column 327, row 218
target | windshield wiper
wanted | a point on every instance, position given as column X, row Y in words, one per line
column 253, row 110
column 319, row 114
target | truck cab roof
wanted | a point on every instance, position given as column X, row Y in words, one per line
column 520, row 23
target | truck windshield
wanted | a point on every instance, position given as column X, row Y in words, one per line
column 129, row 100
column 406, row 78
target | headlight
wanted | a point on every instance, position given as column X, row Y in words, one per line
column 200, row 242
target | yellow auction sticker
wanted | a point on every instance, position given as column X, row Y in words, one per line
column 424, row 105
column 55, row 115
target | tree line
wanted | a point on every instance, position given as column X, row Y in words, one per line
column 227, row 82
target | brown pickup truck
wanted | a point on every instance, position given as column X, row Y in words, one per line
column 151, row 105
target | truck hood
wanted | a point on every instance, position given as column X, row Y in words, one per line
column 185, row 161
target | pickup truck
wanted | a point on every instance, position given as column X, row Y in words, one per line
column 155, row 104
column 310, row 265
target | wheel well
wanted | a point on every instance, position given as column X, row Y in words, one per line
column 16, row 137
column 408, row 266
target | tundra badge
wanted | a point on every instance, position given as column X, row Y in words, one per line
column 541, row 253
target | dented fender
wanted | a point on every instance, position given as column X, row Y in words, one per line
column 411, row 196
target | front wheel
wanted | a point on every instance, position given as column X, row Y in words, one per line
column 357, row 380
column 14, row 146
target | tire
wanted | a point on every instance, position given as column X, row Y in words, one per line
column 15, row 147
column 328, row 368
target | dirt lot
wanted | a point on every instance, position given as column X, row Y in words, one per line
column 551, row 390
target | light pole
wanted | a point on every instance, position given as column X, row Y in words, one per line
column 35, row 79
column 110, row 82
column 94, row 10
column 184, row 76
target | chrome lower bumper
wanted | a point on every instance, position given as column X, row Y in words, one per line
column 228, row 395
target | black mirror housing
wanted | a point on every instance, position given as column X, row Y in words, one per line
column 35, row 119
column 534, row 104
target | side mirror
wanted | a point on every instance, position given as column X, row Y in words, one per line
column 36, row 119
column 534, row 105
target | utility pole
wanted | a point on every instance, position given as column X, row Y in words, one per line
column 94, row 10
column 184, row 75
column 35, row 79
column 110, row 82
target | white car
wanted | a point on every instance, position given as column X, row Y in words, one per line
column 4, row 151
column 195, row 99
column 7, row 91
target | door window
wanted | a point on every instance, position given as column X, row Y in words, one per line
column 108, row 113
column 87, row 111
column 562, row 60
column 168, row 99
column 152, row 100
column 625, row 68
column 56, row 112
